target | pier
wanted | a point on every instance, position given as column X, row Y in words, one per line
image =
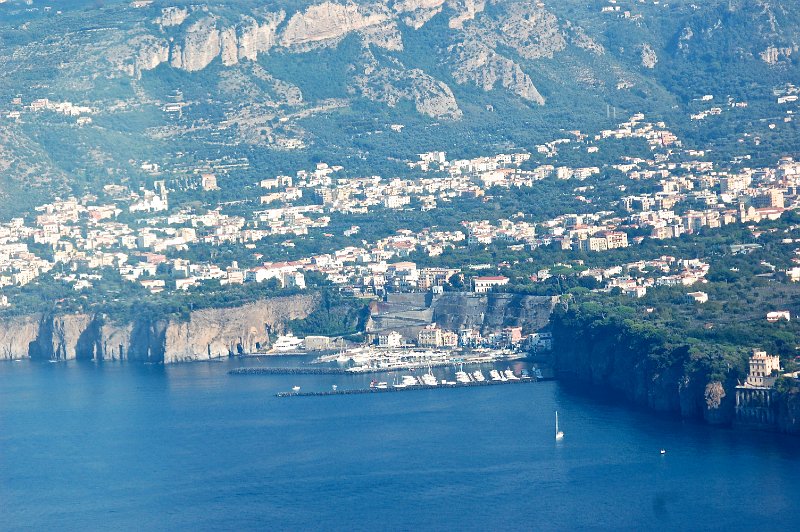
column 390, row 389
column 287, row 371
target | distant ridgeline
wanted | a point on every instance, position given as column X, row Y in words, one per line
column 640, row 353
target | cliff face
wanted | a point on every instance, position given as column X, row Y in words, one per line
column 215, row 333
column 639, row 367
column 207, row 334
column 17, row 335
column 409, row 313
column 638, row 362
column 392, row 85
column 488, row 44
column 492, row 311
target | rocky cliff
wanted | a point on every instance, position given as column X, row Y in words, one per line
column 408, row 313
column 206, row 334
column 485, row 50
column 638, row 364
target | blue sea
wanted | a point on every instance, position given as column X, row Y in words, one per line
column 137, row 447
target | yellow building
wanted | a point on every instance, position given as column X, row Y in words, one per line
column 762, row 367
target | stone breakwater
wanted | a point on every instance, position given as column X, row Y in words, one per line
column 205, row 335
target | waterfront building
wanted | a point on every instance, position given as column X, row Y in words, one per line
column 430, row 336
column 391, row 339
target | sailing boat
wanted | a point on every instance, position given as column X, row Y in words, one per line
column 559, row 434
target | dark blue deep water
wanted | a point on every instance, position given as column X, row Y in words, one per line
column 124, row 446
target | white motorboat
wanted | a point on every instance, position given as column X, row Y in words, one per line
column 288, row 342
column 462, row 377
column 559, row 433
column 408, row 380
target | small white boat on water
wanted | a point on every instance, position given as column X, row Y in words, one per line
column 495, row 375
column 295, row 388
column 478, row 376
column 559, row 433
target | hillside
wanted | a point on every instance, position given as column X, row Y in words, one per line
column 277, row 84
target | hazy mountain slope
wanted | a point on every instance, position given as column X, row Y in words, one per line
column 301, row 80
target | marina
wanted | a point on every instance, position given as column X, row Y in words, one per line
column 390, row 389
column 370, row 359
column 287, row 371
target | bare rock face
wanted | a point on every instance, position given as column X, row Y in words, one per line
column 419, row 12
column 466, row 10
column 59, row 337
column 419, row 18
column 151, row 52
column 215, row 333
column 773, row 54
column 115, row 340
column 649, row 57
column 486, row 47
column 486, row 68
column 210, row 333
column 685, row 38
column 229, row 46
column 389, row 85
column 172, row 16
column 409, row 6
column 16, row 336
column 201, row 45
column 533, row 32
column 328, row 22
column 258, row 36
column 202, row 42
column 386, row 36
column 579, row 38
column 530, row 31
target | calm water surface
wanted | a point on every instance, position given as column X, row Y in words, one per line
column 127, row 446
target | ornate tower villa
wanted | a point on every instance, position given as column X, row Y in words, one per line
column 762, row 367
column 755, row 405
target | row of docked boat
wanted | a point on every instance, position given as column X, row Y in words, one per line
column 462, row 377
column 506, row 375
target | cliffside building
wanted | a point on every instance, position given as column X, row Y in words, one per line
column 755, row 400
column 762, row 367
column 481, row 285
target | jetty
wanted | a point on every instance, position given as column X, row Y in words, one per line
column 287, row 371
column 391, row 389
